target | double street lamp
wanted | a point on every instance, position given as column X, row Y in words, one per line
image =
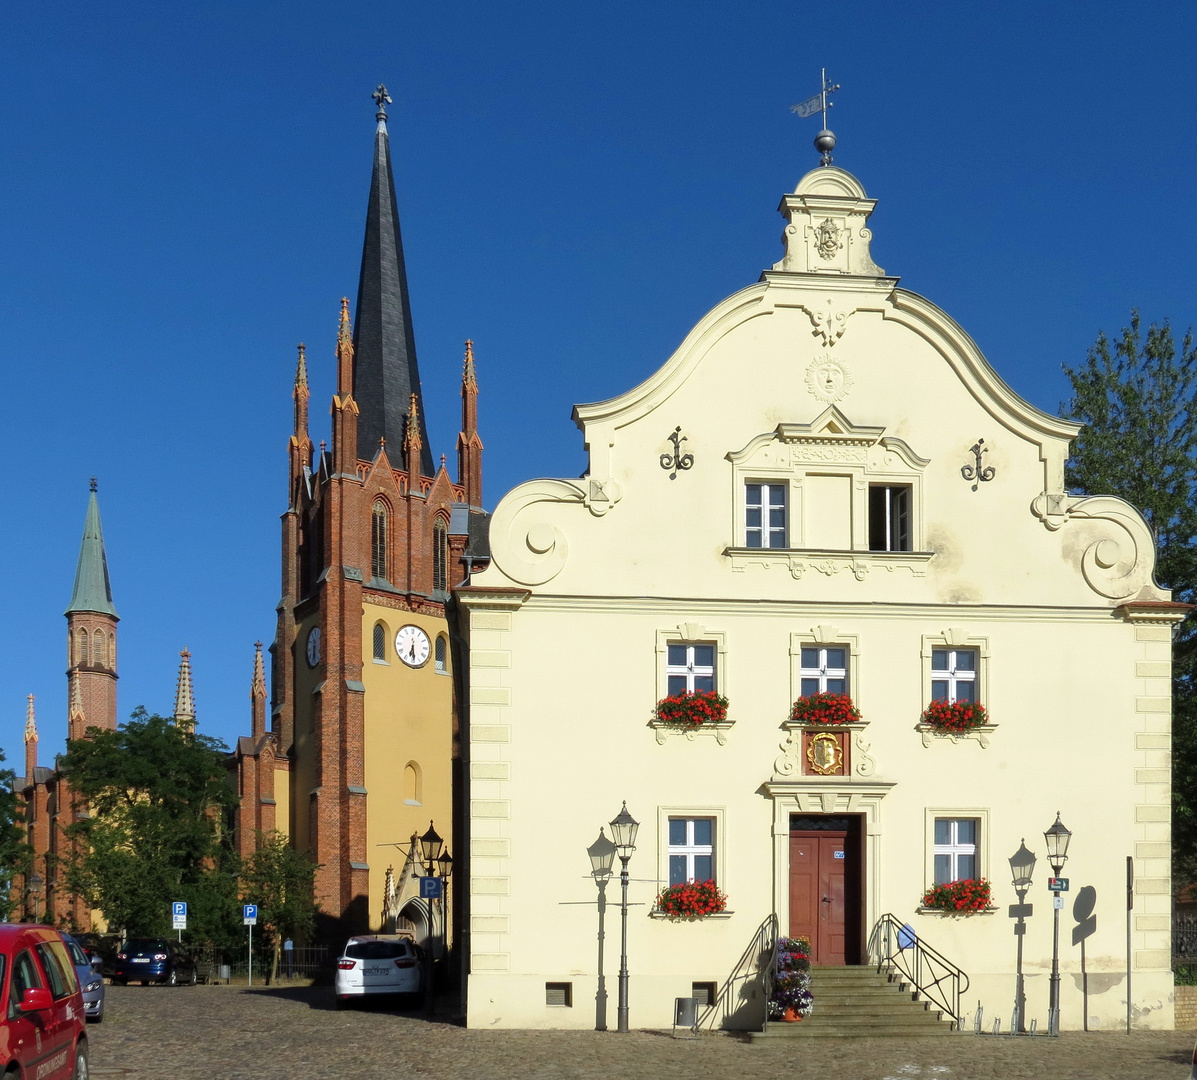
column 1022, row 866
column 1057, row 838
column 435, row 858
column 623, row 833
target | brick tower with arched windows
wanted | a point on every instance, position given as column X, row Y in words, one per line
column 374, row 540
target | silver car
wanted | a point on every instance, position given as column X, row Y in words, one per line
column 378, row 964
column 91, row 982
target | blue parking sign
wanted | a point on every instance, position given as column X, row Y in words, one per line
column 249, row 914
column 179, row 909
column 430, row 888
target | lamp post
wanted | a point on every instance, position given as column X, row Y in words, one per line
column 602, row 859
column 1022, row 866
column 623, row 832
column 1057, row 838
column 35, row 886
column 445, row 862
column 430, row 850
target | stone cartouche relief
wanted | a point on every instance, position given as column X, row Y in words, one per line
column 829, row 321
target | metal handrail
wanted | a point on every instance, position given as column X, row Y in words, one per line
column 758, row 961
column 934, row 977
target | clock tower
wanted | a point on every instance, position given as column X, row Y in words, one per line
column 363, row 738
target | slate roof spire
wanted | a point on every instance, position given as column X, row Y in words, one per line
column 184, row 693
column 93, row 591
column 385, row 374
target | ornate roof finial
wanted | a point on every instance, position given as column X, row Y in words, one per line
column 76, row 710
column 825, row 140
column 30, row 722
column 411, row 438
column 382, row 442
column 442, row 461
column 344, row 330
column 94, row 485
column 382, row 99
column 301, row 368
column 468, row 378
column 259, row 669
column 184, row 695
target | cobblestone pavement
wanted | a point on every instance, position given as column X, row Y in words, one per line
column 230, row 1033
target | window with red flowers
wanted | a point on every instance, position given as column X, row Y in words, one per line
column 691, row 849
column 956, row 847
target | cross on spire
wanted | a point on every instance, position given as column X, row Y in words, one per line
column 382, row 99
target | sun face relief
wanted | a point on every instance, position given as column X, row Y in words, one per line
column 412, row 646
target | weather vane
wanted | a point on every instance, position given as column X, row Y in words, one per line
column 382, row 99
column 825, row 140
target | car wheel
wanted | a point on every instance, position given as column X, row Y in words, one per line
column 81, row 1071
column 194, row 977
column 145, row 982
column 172, row 979
column 121, row 982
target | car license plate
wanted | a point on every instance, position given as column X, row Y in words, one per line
column 141, row 959
column 375, row 971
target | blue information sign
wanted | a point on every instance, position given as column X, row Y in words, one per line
column 250, row 914
column 179, row 909
column 430, row 888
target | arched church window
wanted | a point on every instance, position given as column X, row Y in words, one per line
column 440, row 555
column 82, row 638
column 380, row 642
column 112, row 651
column 378, row 541
column 413, row 783
column 441, row 655
column 99, row 653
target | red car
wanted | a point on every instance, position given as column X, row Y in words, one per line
column 43, row 1035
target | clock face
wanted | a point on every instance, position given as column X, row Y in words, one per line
column 314, row 646
column 412, row 646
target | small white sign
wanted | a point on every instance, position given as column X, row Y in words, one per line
column 178, row 922
column 1058, row 902
column 837, row 854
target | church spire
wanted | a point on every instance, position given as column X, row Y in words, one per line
column 184, row 695
column 385, row 373
column 92, row 591
column 469, row 445
column 301, row 394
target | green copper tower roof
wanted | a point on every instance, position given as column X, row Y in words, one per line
column 93, row 592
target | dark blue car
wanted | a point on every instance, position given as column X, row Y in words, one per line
column 152, row 960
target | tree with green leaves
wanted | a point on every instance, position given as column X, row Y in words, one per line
column 158, row 796
column 1137, row 397
column 280, row 881
column 16, row 856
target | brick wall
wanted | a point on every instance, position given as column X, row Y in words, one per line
column 1186, row 1008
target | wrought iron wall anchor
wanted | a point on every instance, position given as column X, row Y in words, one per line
column 974, row 472
column 677, row 460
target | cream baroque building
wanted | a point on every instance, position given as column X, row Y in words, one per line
column 826, row 486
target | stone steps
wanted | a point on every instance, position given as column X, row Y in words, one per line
column 857, row 1003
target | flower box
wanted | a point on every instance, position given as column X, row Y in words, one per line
column 825, row 709
column 955, row 716
column 691, row 710
column 790, row 998
column 964, row 897
column 691, row 900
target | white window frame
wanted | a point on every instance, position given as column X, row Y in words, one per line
column 822, row 672
column 953, row 676
column 955, row 638
column 955, row 848
column 685, row 634
column 978, row 814
column 820, row 637
column 689, row 849
column 717, row 814
column 889, row 489
column 765, row 506
column 691, row 670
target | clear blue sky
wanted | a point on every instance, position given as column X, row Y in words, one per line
column 182, row 197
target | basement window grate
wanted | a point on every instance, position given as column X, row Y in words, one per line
column 704, row 992
column 561, row 994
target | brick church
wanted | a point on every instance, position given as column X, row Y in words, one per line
column 360, row 749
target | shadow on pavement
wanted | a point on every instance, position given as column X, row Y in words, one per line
column 321, row 998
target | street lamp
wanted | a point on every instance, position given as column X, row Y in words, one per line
column 1057, row 838
column 430, row 850
column 1022, row 866
column 602, row 859
column 623, row 832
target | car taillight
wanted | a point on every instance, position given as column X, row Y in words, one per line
column 346, row 965
column 159, row 956
column 405, row 963
column 121, row 956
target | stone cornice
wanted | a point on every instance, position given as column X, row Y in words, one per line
column 482, row 597
column 1155, row 611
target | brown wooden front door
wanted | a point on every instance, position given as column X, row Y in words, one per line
column 825, row 887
